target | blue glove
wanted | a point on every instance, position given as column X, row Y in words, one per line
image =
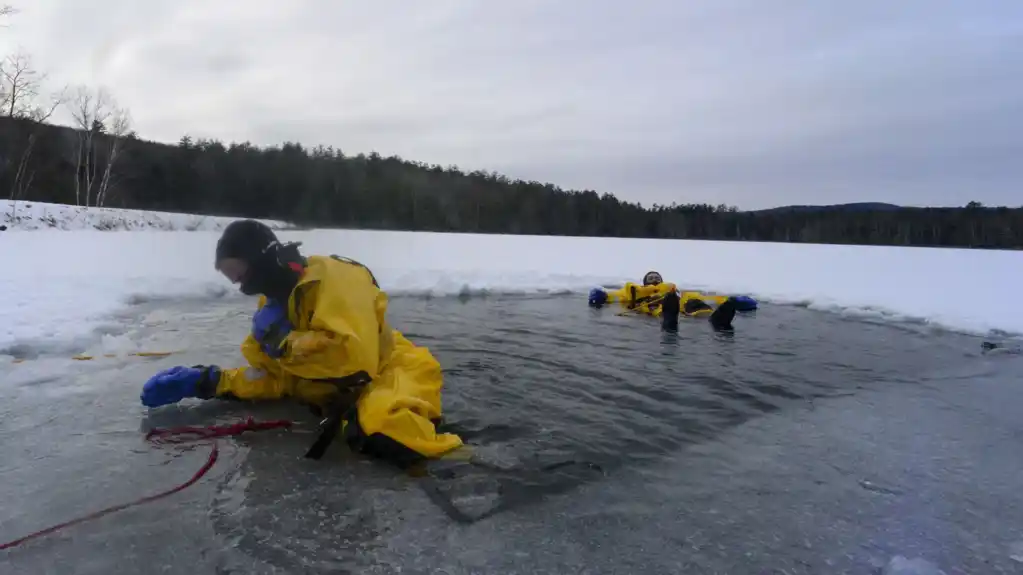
column 270, row 326
column 174, row 384
column 598, row 297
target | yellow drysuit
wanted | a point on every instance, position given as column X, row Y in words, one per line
column 338, row 314
column 647, row 299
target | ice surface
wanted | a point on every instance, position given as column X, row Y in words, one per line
column 900, row 565
column 58, row 287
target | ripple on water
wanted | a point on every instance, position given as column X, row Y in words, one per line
column 558, row 400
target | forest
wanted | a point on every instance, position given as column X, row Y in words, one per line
column 99, row 160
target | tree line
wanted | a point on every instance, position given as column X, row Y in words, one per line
column 100, row 161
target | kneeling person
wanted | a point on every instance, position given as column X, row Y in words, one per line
column 321, row 336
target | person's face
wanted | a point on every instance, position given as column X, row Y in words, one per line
column 233, row 269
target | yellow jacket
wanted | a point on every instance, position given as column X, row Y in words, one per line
column 338, row 314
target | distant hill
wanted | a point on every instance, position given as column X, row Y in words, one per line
column 852, row 207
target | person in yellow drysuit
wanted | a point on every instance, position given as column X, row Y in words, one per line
column 668, row 304
column 321, row 336
column 688, row 304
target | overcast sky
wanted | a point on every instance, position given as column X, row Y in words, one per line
column 754, row 103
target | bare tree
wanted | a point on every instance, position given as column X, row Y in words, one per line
column 20, row 86
column 92, row 111
column 88, row 111
column 39, row 115
column 20, row 83
column 120, row 127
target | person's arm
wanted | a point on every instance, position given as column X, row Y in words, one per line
column 262, row 378
column 344, row 335
column 623, row 295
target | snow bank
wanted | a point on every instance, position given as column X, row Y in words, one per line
column 31, row 216
column 57, row 286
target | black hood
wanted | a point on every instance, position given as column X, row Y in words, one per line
column 274, row 268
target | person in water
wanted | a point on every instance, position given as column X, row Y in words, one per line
column 672, row 305
column 320, row 336
column 652, row 301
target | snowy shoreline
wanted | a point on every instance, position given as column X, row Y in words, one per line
column 145, row 255
column 35, row 216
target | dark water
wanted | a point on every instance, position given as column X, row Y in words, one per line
column 806, row 442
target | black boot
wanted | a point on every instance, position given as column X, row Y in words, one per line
column 721, row 319
column 669, row 312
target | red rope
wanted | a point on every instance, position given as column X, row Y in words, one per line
column 171, row 435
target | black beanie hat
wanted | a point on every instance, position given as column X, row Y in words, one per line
column 246, row 240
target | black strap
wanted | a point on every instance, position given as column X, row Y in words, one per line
column 328, row 432
column 337, row 411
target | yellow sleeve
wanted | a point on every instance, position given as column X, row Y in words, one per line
column 622, row 295
column 635, row 295
column 261, row 379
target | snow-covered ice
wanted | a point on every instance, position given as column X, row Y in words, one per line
column 57, row 285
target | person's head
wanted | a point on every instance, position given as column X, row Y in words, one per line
column 250, row 255
column 652, row 278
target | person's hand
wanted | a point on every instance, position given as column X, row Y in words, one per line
column 598, row 297
column 270, row 326
column 176, row 383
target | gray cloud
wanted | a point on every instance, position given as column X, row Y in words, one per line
column 739, row 101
